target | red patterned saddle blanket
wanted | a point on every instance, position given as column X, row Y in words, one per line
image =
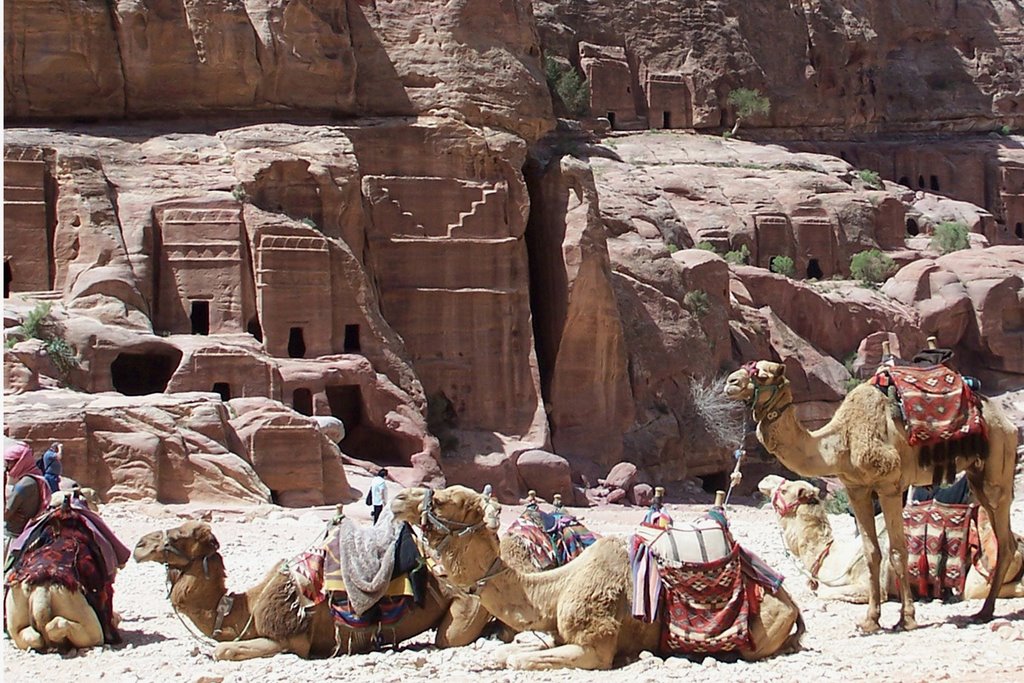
column 707, row 606
column 938, row 547
column 937, row 405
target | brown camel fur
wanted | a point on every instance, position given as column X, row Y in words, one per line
column 263, row 621
column 584, row 604
column 841, row 567
column 868, row 451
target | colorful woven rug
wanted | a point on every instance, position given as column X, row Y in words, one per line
column 707, row 606
column 553, row 539
column 937, row 405
column 937, row 548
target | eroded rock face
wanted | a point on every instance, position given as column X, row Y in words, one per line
column 973, row 301
column 479, row 60
column 173, row 449
column 852, row 66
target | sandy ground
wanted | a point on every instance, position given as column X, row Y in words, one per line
column 158, row 647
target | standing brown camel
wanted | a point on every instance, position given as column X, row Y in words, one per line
column 265, row 620
column 868, row 451
column 585, row 604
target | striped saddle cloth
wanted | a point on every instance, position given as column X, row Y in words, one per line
column 938, row 547
column 937, row 404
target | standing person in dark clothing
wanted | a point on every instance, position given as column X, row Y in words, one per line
column 378, row 493
column 52, row 466
column 28, row 494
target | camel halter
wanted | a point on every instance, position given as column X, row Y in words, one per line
column 769, row 411
column 224, row 605
column 812, row 576
column 429, row 519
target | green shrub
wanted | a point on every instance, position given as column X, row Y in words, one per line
column 706, row 246
column 747, row 102
column 1005, row 130
column 783, row 265
column 309, row 222
column 672, row 248
column 950, row 236
column 870, row 178
column 568, row 86
column 38, row 325
column 239, row 193
column 837, row 503
column 739, row 256
column 697, row 302
column 871, row 267
column 851, row 384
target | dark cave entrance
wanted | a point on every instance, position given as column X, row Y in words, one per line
column 138, row 374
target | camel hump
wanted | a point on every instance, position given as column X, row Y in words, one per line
column 274, row 608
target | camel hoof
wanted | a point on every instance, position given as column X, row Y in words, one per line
column 982, row 617
column 869, row 626
column 33, row 639
column 224, row 652
column 907, row 624
column 57, row 629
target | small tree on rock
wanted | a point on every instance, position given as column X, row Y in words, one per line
column 950, row 236
column 747, row 102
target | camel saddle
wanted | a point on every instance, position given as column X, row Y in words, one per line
column 937, row 404
column 554, row 539
column 941, row 413
column 704, row 540
column 704, row 585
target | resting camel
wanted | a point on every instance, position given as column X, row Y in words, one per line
column 842, row 569
column 584, row 604
column 46, row 606
column 264, row 621
column 868, row 451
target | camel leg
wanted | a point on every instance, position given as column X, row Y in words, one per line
column 524, row 642
column 892, row 510
column 566, row 656
column 75, row 623
column 864, row 513
column 462, row 623
column 19, row 620
column 996, row 501
column 248, row 649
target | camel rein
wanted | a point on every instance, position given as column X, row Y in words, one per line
column 224, row 605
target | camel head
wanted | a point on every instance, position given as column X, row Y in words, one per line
column 756, row 382
column 458, row 523
column 177, row 547
column 788, row 497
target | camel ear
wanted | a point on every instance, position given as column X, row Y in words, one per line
column 768, row 485
column 205, row 539
column 492, row 514
column 769, row 370
column 808, row 493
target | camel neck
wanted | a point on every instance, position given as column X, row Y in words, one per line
column 789, row 441
column 808, row 539
column 519, row 600
column 197, row 593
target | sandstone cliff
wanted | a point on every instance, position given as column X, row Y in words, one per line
column 355, row 211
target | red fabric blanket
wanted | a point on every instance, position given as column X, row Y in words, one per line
column 707, row 606
column 938, row 539
column 937, row 405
